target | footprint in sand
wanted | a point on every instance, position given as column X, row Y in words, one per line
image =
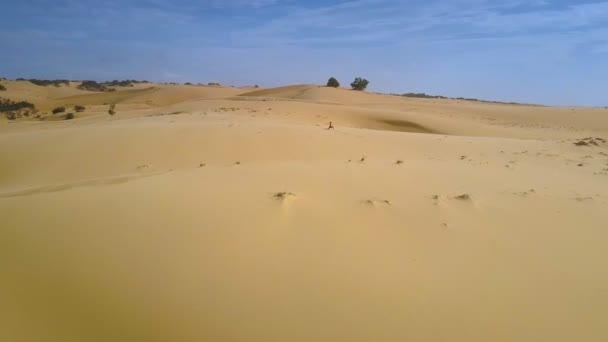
column 375, row 203
column 284, row 197
column 144, row 168
column 525, row 193
column 463, row 197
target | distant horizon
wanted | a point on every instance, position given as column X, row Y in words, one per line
column 550, row 52
column 346, row 86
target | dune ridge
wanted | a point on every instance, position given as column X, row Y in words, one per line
column 229, row 214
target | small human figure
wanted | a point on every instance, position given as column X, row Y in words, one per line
column 330, row 126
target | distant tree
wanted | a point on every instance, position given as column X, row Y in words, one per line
column 59, row 110
column 187, row 83
column 332, row 82
column 359, row 83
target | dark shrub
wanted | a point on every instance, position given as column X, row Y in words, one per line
column 213, row 84
column 2, row 88
column 112, row 109
column 59, row 110
column 7, row 105
column 125, row 83
column 69, row 116
column 332, row 82
column 44, row 83
column 92, row 86
column 359, row 83
column 79, row 108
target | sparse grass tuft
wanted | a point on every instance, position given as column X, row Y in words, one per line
column 59, row 110
column 283, row 194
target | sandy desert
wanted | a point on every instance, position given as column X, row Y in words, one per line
column 211, row 213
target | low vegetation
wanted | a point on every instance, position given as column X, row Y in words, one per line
column 8, row 105
column 213, row 84
column 58, row 110
column 427, row 96
column 423, row 96
column 112, row 109
column 13, row 110
column 332, row 82
column 69, row 116
column 92, row 86
column 2, row 88
column 79, row 109
column 46, row 83
column 125, row 83
column 359, row 84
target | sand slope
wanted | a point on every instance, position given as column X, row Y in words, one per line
column 230, row 215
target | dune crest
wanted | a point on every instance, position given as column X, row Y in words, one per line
column 209, row 213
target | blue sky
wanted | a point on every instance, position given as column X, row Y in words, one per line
column 552, row 52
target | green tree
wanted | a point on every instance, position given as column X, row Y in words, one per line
column 359, row 83
column 332, row 82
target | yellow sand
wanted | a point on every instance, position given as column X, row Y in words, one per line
column 412, row 220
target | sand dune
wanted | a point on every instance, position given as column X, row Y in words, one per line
column 225, row 214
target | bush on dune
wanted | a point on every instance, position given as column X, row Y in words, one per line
column 332, row 82
column 13, row 110
column 125, row 83
column 359, row 84
column 58, row 110
column 92, row 86
column 45, row 83
column 79, row 108
column 2, row 88
column 8, row 105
